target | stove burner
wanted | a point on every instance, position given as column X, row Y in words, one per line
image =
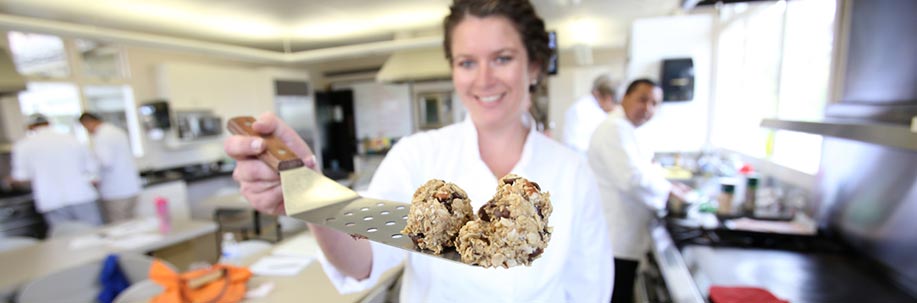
column 684, row 235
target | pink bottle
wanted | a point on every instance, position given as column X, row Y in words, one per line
column 162, row 211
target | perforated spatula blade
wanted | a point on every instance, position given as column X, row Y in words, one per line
column 309, row 196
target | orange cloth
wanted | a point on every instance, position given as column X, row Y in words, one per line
column 721, row 294
column 227, row 285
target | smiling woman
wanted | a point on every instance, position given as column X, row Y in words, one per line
column 497, row 50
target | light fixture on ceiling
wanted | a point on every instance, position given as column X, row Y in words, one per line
column 240, row 52
column 583, row 31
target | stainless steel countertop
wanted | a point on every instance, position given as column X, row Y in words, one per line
column 794, row 276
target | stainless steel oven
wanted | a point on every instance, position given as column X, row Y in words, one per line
column 433, row 109
column 18, row 217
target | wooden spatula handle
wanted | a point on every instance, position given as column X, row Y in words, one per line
column 276, row 154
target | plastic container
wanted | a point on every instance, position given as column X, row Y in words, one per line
column 229, row 248
column 162, row 212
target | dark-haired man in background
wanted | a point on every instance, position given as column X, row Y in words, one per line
column 119, row 182
column 631, row 186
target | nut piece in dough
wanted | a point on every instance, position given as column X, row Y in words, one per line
column 438, row 211
column 511, row 229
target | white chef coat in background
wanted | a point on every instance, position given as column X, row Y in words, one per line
column 58, row 166
column 580, row 121
column 118, row 173
column 631, row 186
column 576, row 265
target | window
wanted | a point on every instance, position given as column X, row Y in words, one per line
column 39, row 55
column 59, row 101
column 111, row 104
column 100, row 60
column 95, row 81
column 773, row 61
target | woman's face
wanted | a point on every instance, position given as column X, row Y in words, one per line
column 491, row 70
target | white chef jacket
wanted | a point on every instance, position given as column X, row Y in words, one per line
column 59, row 167
column 576, row 265
column 632, row 187
column 580, row 121
column 118, row 174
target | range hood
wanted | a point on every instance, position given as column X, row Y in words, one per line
column 876, row 98
column 10, row 80
column 887, row 134
column 415, row 65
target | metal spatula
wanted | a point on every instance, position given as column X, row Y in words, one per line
column 309, row 196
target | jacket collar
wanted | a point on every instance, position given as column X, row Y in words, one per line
column 472, row 153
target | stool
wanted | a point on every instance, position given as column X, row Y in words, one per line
column 247, row 223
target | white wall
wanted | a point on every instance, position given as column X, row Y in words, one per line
column 226, row 90
column 381, row 110
column 145, row 66
column 677, row 126
column 12, row 123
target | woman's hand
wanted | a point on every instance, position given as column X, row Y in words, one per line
column 259, row 183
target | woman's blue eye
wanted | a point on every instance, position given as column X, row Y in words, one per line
column 504, row 59
column 465, row 63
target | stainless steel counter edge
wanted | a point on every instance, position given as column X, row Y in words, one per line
column 892, row 135
column 677, row 277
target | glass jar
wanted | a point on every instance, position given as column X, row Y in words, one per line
column 751, row 192
column 724, row 200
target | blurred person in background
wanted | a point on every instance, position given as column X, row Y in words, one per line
column 60, row 170
column 587, row 113
column 497, row 50
column 119, row 181
column 632, row 187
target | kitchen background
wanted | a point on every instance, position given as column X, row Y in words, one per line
column 784, row 86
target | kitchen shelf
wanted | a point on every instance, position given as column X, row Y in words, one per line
column 893, row 135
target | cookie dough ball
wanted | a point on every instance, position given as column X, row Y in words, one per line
column 511, row 229
column 438, row 211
